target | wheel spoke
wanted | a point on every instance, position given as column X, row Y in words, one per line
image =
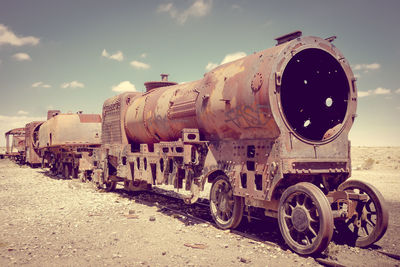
column 312, row 231
column 365, row 228
column 370, row 222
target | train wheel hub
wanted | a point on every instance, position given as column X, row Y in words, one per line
column 300, row 219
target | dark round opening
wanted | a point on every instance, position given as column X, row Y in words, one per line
column 314, row 93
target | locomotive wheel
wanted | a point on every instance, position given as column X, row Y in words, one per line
column 110, row 186
column 82, row 177
column 75, row 172
column 305, row 219
column 226, row 209
column 66, row 171
column 373, row 220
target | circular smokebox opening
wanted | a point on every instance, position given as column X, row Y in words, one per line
column 314, row 93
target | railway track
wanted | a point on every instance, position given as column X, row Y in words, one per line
column 253, row 228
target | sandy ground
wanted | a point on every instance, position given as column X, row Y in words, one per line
column 46, row 221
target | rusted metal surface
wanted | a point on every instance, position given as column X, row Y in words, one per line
column 17, row 142
column 253, row 129
column 16, row 149
column 69, row 129
column 67, row 141
column 156, row 84
column 32, row 143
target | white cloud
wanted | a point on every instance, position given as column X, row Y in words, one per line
column 73, row 84
column 118, row 56
column 233, row 57
column 22, row 57
column 41, row 84
column 364, row 93
column 397, row 91
column 228, row 58
column 125, row 86
column 143, row 55
column 367, row 67
column 9, row 37
column 10, row 122
column 377, row 91
column 199, row 8
column 139, row 65
column 381, row 91
column 236, row 6
column 22, row 112
column 211, row 66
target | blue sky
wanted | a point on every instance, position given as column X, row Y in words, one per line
column 72, row 55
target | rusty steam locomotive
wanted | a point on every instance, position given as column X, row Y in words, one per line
column 268, row 131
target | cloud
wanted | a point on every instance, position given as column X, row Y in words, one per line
column 10, row 122
column 199, row 8
column 9, row 37
column 41, row 84
column 211, row 66
column 367, row 67
column 228, row 58
column 124, row 86
column 236, row 6
column 118, row 56
column 397, row 91
column 73, row 84
column 139, row 65
column 22, row 112
column 381, row 91
column 377, row 91
column 22, row 57
column 143, row 55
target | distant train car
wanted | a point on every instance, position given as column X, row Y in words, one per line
column 16, row 149
column 268, row 131
column 66, row 142
column 32, row 156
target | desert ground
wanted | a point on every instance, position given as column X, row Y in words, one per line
column 49, row 221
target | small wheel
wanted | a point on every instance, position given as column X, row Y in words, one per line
column 226, row 209
column 374, row 217
column 110, row 186
column 75, row 172
column 67, row 172
column 82, row 176
column 305, row 219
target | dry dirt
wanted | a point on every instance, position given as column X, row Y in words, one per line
column 46, row 221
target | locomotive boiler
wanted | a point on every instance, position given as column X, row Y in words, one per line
column 269, row 131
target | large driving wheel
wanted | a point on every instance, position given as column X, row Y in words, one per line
column 226, row 209
column 370, row 224
column 305, row 219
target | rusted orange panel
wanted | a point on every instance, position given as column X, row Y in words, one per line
column 89, row 118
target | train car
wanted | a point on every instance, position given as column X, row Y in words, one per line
column 269, row 131
column 32, row 157
column 16, row 149
column 66, row 142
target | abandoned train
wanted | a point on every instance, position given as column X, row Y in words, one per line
column 269, row 130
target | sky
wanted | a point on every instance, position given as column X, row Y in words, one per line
column 73, row 55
